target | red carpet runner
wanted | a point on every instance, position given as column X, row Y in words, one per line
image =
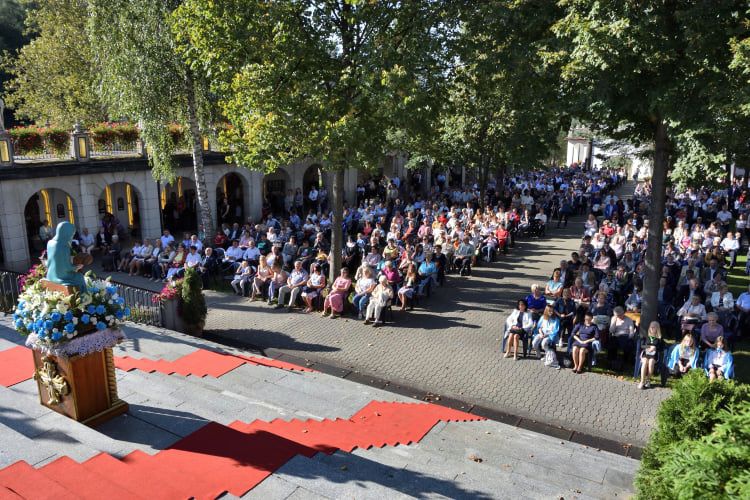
column 217, row 458
column 17, row 365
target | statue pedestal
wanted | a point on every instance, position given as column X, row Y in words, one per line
column 83, row 388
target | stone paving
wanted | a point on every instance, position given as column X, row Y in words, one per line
column 451, row 347
column 478, row 460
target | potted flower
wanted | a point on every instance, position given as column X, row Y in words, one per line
column 183, row 304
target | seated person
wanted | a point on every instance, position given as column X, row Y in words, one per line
column 719, row 364
column 584, row 336
column 427, row 274
column 294, row 283
column 684, row 356
column 553, row 289
column 547, row 331
column 464, row 254
column 408, row 289
column 621, row 335
column 334, row 302
column 262, row 278
column 242, row 276
column 363, row 287
column 711, row 331
column 278, row 279
column 518, row 325
column 692, row 313
column 315, row 284
column 633, row 302
column 536, row 302
column 380, row 298
column 651, row 346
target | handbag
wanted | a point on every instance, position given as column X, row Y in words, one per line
column 550, row 359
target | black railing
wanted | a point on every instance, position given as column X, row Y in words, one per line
column 145, row 306
column 8, row 291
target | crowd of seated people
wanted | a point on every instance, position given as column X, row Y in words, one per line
column 399, row 246
column 592, row 302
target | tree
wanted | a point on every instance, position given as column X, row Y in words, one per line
column 647, row 72
column 310, row 78
column 143, row 77
column 503, row 105
column 53, row 77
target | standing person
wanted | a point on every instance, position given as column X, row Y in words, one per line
column 46, row 233
column 651, row 346
column 565, row 309
column 312, row 197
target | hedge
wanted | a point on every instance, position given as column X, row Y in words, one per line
column 701, row 445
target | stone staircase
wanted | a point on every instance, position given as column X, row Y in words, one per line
column 261, row 432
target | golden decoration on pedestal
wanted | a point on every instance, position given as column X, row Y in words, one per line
column 55, row 384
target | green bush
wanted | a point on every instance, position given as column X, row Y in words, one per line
column 127, row 133
column 690, row 415
column 194, row 309
column 103, row 135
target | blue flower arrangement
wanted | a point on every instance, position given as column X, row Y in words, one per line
column 55, row 318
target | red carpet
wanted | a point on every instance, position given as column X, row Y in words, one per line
column 201, row 363
column 217, row 459
column 16, row 365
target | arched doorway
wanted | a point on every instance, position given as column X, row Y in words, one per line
column 179, row 205
column 230, row 188
column 313, row 177
column 119, row 209
column 47, row 205
column 275, row 187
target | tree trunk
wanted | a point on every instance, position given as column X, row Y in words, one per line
column 206, row 219
column 652, row 276
column 483, row 177
column 337, row 235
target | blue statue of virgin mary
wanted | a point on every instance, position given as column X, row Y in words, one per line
column 60, row 268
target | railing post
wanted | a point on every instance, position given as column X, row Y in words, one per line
column 80, row 144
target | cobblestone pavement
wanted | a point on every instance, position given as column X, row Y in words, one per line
column 451, row 347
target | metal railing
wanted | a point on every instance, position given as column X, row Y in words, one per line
column 9, row 291
column 145, row 305
column 114, row 149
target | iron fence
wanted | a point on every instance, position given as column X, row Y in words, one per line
column 8, row 291
column 145, row 305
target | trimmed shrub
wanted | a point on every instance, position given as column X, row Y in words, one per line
column 194, row 308
column 685, row 424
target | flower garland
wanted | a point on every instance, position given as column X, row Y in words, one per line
column 54, row 317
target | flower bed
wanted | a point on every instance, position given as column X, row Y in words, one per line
column 36, row 141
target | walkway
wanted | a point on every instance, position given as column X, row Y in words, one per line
column 452, row 349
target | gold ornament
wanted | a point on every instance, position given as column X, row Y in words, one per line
column 55, row 384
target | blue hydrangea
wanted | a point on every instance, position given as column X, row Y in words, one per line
column 56, row 336
column 55, row 316
column 70, row 328
column 91, row 309
column 93, row 290
column 19, row 323
column 100, row 309
column 120, row 301
column 126, row 311
column 85, row 319
column 111, row 290
column 101, row 326
column 119, row 315
column 49, row 325
column 68, row 316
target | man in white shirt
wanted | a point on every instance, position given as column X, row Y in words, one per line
column 233, row 256
column 166, row 239
column 731, row 246
column 193, row 258
column 252, row 254
column 313, row 197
